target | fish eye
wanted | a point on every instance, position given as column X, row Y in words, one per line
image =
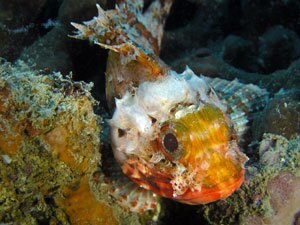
column 170, row 142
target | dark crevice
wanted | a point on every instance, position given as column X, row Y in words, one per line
column 182, row 12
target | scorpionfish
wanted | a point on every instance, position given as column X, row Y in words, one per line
column 175, row 134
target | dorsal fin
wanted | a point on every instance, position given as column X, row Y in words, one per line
column 134, row 38
column 127, row 24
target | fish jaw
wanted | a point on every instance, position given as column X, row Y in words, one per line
column 161, row 184
column 207, row 195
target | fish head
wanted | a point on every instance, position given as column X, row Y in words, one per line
column 172, row 136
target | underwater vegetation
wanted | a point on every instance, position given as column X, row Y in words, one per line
column 239, row 102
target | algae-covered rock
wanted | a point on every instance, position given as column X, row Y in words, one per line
column 50, row 152
column 270, row 193
column 281, row 116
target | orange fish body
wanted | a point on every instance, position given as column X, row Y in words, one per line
column 171, row 133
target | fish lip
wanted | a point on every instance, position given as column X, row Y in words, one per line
column 207, row 195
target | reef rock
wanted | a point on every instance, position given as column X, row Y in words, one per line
column 281, row 116
column 270, row 193
column 20, row 23
column 239, row 52
column 278, row 47
column 49, row 152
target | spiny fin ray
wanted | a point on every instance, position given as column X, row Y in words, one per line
column 242, row 100
column 122, row 31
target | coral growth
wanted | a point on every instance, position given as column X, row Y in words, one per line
column 49, row 151
column 49, row 140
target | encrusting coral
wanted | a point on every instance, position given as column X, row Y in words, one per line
column 49, row 140
column 49, row 152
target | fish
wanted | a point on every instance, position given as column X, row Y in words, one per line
column 178, row 135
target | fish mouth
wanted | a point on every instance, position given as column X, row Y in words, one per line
column 161, row 184
column 207, row 195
